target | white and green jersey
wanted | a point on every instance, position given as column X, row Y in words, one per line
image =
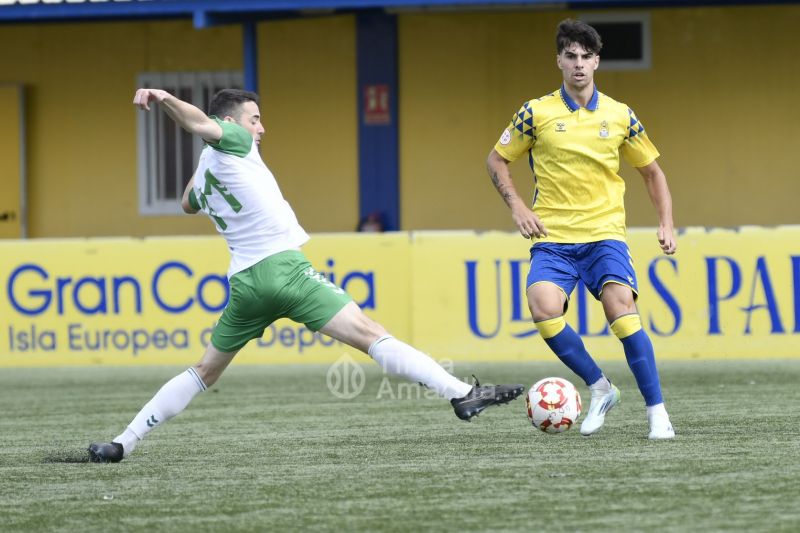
column 234, row 187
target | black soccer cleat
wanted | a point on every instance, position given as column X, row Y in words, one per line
column 105, row 452
column 479, row 398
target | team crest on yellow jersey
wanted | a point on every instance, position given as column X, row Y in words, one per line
column 604, row 129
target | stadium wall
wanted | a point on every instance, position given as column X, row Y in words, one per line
column 727, row 294
column 717, row 103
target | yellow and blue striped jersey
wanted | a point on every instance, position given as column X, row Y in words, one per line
column 574, row 154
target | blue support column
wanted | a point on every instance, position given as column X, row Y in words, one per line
column 250, row 55
column 376, row 60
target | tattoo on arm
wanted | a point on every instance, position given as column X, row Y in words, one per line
column 501, row 188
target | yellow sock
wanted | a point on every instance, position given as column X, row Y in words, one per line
column 626, row 325
column 551, row 327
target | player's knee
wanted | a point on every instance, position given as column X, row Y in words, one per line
column 617, row 294
column 546, row 301
column 363, row 331
column 369, row 332
column 617, row 307
column 544, row 310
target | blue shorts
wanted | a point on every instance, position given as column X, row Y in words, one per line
column 594, row 263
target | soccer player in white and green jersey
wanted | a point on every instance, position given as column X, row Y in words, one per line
column 269, row 276
column 574, row 137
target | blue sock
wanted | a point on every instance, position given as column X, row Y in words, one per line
column 640, row 356
column 569, row 347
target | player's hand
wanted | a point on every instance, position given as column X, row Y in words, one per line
column 667, row 240
column 528, row 223
column 144, row 96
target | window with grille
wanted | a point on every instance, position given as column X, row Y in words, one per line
column 626, row 39
column 168, row 154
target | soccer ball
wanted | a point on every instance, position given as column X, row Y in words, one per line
column 554, row 404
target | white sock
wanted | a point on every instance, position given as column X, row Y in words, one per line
column 170, row 400
column 657, row 410
column 602, row 385
column 400, row 359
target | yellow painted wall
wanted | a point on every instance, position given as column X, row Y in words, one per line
column 718, row 103
column 81, row 131
column 11, row 212
column 308, row 81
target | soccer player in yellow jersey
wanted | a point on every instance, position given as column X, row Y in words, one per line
column 574, row 137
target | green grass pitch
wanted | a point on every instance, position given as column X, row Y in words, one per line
column 270, row 448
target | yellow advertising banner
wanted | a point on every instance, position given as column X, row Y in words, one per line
column 456, row 295
column 727, row 293
column 155, row 301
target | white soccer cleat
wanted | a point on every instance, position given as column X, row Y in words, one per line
column 660, row 427
column 602, row 402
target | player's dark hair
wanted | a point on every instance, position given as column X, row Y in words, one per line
column 227, row 101
column 575, row 31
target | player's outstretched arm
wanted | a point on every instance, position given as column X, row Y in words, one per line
column 184, row 114
column 658, row 190
column 526, row 220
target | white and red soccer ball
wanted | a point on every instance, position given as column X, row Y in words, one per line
column 554, row 405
